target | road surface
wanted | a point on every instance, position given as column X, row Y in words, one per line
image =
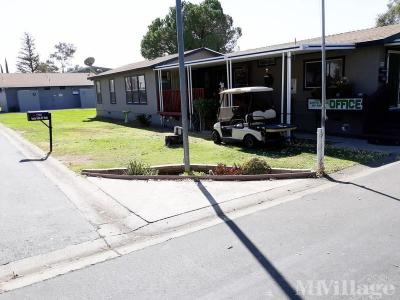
column 316, row 247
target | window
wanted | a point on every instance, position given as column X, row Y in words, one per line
column 113, row 99
column 47, row 88
column 135, row 89
column 62, row 87
column 312, row 72
column 98, row 92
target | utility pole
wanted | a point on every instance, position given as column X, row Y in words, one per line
column 321, row 131
column 182, row 83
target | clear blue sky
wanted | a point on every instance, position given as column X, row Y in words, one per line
column 111, row 31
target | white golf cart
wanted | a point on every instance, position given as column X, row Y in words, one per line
column 250, row 128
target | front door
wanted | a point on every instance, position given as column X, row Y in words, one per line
column 394, row 78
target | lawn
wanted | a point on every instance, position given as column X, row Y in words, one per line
column 81, row 141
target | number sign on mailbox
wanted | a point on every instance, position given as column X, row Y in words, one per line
column 38, row 115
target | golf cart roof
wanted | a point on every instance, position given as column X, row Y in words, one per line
column 244, row 90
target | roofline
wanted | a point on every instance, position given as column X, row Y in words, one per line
column 310, row 48
column 156, row 64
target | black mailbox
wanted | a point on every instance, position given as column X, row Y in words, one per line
column 38, row 115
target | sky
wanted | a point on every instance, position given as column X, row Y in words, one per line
column 111, row 31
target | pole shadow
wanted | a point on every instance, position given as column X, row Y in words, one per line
column 35, row 159
column 268, row 267
column 360, row 186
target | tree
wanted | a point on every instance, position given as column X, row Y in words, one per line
column 47, row 67
column 63, row 54
column 205, row 25
column 391, row 16
column 28, row 59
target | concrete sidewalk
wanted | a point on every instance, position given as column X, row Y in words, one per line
column 353, row 143
column 158, row 200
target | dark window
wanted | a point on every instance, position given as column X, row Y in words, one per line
column 47, row 88
column 312, row 72
column 135, row 89
column 62, row 87
column 113, row 98
column 98, row 92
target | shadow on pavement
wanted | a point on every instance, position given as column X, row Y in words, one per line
column 360, row 186
column 258, row 255
column 35, row 159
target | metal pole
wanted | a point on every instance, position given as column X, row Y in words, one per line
column 321, row 136
column 182, row 84
column 283, row 88
column 51, row 134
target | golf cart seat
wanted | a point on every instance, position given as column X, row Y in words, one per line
column 260, row 116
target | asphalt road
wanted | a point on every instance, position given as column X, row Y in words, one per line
column 35, row 216
column 322, row 245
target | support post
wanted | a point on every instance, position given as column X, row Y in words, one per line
column 182, row 81
column 289, row 89
column 231, row 83
column 283, row 89
column 321, row 148
column 51, row 134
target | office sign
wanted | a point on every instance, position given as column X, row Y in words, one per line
column 353, row 104
column 38, row 115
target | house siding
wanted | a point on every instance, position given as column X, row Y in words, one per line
column 115, row 111
column 3, row 101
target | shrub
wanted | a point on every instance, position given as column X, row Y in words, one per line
column 144, row 120
column 255, row 166
column 222, row 169
column 207, row 111
column 139, row 168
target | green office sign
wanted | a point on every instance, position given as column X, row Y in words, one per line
column 337, row 104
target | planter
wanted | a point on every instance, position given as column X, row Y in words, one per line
column 171, row 172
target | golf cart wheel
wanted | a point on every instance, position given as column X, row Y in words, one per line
column 249, row 141
column 216, row 137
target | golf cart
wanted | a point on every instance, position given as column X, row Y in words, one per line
column 251, row 128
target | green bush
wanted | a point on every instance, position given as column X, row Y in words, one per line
column 207, row 110
column 255, row 166
column 144, row 120
column 139, row 168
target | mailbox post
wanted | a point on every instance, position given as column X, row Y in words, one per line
column 43, row 116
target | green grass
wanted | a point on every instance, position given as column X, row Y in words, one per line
column 81, row 141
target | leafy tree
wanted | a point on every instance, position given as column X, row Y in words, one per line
column 205, row 25
column 28, row 59
column 47, row 67
column 63, row 54
column 391, row 16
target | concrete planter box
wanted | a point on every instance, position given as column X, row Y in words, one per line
column 169, row 172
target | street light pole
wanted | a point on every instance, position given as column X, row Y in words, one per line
column 321, row 131
column 182, row 83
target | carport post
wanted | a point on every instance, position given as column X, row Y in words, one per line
column 283, row 88
column 289, row 89
column 321, row 131
column 182, row 84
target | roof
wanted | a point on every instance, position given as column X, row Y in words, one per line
column 16, row 80
column 363, row 36
column 153, row 62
